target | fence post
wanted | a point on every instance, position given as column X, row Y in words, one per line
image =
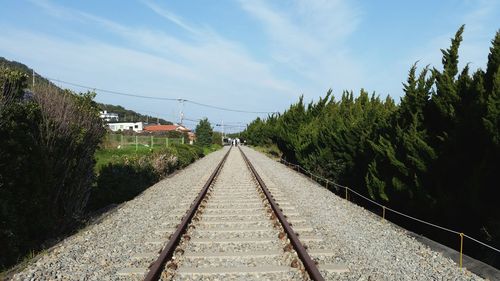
column 136, row 143
column 383, row 212
column 461, row 247
column 182, row 140
column 346, row 193
column 326, row 184
column 152, row 142
column 121, row 140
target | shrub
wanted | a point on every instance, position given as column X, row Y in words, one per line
column 125, row 176
column 186, row 154
column 122, row 180
column 46, row 162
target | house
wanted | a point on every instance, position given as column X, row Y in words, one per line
column 108, row 116
column 191, row 137
column 125, row 126
column 171, row 128
column 166, row 128
column 160, row 128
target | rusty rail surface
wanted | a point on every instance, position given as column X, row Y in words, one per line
column 156, row 268
column 307, row 261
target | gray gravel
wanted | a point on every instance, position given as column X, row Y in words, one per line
column 343, row 233
column 233, row 200
column 371, row 248
column 101, row 250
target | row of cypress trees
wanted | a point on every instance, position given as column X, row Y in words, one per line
column 434, row 155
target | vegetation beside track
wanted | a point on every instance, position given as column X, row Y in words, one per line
column 435, row 155
column 124, row 173
column 271, row 150
column 55, row 168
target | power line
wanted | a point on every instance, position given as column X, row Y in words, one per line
column 160, row 98
column 228, row 109
column 192, row 120
column 111, row 92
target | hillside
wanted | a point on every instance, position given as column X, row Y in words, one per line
column 123, row 113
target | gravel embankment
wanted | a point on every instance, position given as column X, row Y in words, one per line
column 234, row 238
column 371, row 248
column 101, row 250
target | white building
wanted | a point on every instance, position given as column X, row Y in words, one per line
column 108, row 116
column 125, row 126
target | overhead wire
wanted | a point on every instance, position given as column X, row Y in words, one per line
column 110, row 91
column 160, row 98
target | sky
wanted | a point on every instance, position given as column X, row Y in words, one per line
column 248, row 55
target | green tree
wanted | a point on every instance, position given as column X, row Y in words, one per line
column 47, row 148
column 402, row 154
column 217, row 138
column 436, row 154
column 204, row 132
column 492, row 85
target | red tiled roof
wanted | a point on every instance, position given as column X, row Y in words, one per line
column 159, row 128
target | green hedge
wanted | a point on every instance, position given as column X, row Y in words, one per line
column 124, row 176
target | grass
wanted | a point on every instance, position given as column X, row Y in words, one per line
column 23, row 263
column 104, row 156
column 209, row 149
column 271, row 151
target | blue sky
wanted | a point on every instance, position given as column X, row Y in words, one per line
column 251, row 55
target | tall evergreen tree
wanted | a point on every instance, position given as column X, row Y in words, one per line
column 204, row 132
column 402, row 156
column 492, row 85
column 445, row 98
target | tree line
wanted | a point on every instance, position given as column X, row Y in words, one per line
column 435, row 155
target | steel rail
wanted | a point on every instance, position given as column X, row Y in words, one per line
column 156, row 268
column 306, row 259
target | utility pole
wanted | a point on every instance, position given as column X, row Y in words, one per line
column 181, row 113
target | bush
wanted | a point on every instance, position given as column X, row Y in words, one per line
column 186, row 154
column 122, row 180
column 124, row 176
column 47, row 147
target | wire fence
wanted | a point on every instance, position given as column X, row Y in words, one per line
column 141, row 142
column 339, row 187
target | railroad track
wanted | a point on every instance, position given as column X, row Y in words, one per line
column 238, row 228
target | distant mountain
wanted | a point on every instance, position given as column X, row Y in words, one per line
column 125, row 115
column 5, row 63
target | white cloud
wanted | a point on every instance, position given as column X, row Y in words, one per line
column 309, row 38
column 206, row 68
column 474, row 47
column 171, row 17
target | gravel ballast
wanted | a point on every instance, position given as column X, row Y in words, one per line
column 100, row 251
column 339, row 232
column 221, row 245
column 372, row 249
